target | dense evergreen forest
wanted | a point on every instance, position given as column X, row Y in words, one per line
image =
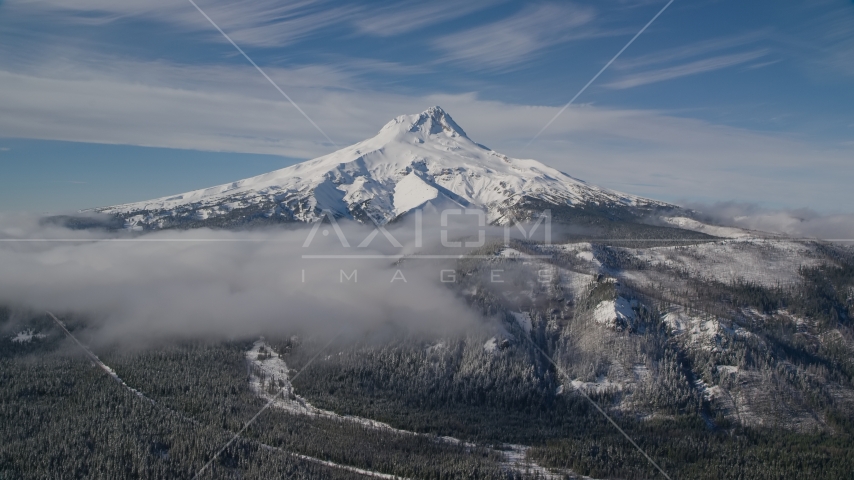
column 510, row 382
column 64, row 418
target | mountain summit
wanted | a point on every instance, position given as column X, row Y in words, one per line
column 413, row 160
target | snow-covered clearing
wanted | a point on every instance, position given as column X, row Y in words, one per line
column 523, row 319
column 26, row 336
column 766, row 262
column 714, row 230
column 361, row 471
column 601, row 385
column 271, row 374
column 268, row 368
column 97, row 361
column 615, row 313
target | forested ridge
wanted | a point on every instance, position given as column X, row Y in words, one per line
column 740, row 378
column 53, row 395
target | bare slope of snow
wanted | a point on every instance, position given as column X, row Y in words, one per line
column 767, row 262
column 714, row 230
column 413, row 159
column 271, row 373
column 615, row 313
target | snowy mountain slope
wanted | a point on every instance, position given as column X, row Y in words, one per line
column 714, row 230
column 751, row 355
column 414, row 159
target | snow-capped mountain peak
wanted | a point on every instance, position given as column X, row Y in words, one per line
column 433, row 121
column 414, row 159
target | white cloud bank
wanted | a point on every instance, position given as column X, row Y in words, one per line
column 802, row 223
column 513, row 40
column 205, row 284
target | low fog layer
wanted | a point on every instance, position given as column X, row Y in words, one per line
column 796, row 223
column 224, row 284
column 204, row 283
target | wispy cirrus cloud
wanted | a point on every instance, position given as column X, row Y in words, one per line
column 691, row 68
column 825, row 39
column 692, row 59
column 265, row 23
column 271, row 23
column 180, row 92
column 214, row 108
column 412, row 15
column 372, row 65
column 511, row 41
column 692, row 50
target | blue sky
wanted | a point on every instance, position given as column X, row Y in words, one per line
column 104, row 102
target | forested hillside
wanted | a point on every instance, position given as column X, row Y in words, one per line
column 724, row 359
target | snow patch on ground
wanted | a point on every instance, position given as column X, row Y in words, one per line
column 576, row 247
column 412, row 192
column 615, row 313
column 508, row 252
column 767, row 262
column 432, row 349
column 523, row 319
column 704, row 332
column 26, row 336
column 693, row 225
column 601, row 385
column 268, row 368
column 360, row 471
column 641, row 372
column 575, row 283
column 271, row 374
column 588, row 256
column 275, row 372
column 517, row 456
